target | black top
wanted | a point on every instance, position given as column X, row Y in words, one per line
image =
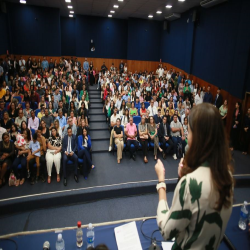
column 46, row 134
column 247, row 123
column 14, row 115
column 80, row 130
column 6, row 125
column 9, row 150
column 117, row 130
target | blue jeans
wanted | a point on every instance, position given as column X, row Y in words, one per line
column 20, row 173
column 177, row 140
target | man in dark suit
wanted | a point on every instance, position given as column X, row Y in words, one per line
column 164, row 136
column 69, row 148
column 218, row 99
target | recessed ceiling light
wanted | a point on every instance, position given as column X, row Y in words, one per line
column 70, row 7
column 70, row 15
column 169, row 6
column 116, row 6
column 158, row 12
column 112, row 11
column 181, row 0
column 109, row 15
column 68, row 1
column 23, row 1
column 150, row 16
column 120, row 0
column 72, row 12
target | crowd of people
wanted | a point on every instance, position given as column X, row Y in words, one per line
column 44, row 118
column 44, row 107
column 147, row 109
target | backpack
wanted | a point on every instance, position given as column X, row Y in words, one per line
column 179, row 152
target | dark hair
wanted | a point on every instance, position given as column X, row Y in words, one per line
column 4, row 134
column 34, row 136
column 56, row 132
column 13, row 124
column 215, row 151
column 40, row 128
column 69, row 128
column 85, row 129
column 99, row 247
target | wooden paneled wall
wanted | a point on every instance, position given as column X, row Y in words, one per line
column 134, row 65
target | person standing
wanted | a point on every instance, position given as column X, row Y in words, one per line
column 203, row 198
column 121, row 67
column 235, row 129
column 69, row 149
column 246, row 133
column 218, row 99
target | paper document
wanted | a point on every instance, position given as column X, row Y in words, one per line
column 167, row 245
column 127, row 237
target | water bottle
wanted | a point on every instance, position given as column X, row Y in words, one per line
column 243, row 216
column 60, row 243
column 90, row 236
column 79, row 234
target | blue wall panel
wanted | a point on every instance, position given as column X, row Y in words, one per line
column 68, row 36
column 174, row 42
column 109, row 36
column 144, row 39
column 4, row 37
column 34, row 30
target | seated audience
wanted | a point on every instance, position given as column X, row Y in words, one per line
column 84, row 147
column 47, row 119
column 133, row 110
column 113, row 122
column 53, row 154
column 153, row 136
column 70, row 125
column 20, row 119
column 27, row 110
column 58, row 128
column 69, row 148
column 6, row 122
column 152, row 109
column 143, row 137
column 44, row 130
column 131, row 133
column 33, row 122
column 118, row 135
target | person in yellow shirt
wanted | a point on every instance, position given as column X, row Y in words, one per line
column 41, row 113
column 2, row 92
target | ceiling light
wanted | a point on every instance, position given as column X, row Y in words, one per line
column 158, row 12
column 181, row 0
column 116, row 6
column 120, row 0
column 72, row 12
column 22, row 1
column 68, row 1
column 150, row 16
column 169, row 6
column 112, row 11
column 70, row 7
column 109, row 15
column 70, row 15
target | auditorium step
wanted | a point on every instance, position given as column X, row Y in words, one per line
column 96, row 105
column 100, row 146
column 96, row 112
column 97, row 118
column 94, row 126
column 99, row 135
column 99, row 101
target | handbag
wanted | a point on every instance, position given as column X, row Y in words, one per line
column 12, row 179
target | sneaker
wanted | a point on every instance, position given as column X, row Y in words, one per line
column 110, row 148
column 28, row 174
column 174, row 156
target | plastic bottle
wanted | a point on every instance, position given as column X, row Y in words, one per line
column 243, row 216
column 79, row 234
column 60, row 243
column 90, row 236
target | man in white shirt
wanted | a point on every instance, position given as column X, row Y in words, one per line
column 160, row 72
column 113, row 119
column 152, row 109
column 177, row 134
column 33, row 122
column 198, row 98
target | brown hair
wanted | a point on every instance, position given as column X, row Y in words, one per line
column 209, row 144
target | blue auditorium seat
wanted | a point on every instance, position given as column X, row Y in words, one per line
column 146, row 104
column 136, row 120
column 19, row 98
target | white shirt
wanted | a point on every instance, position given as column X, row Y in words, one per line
column 175, row 125
column 69, row 145
column 118, row 103
column 152, row 110
column 198, row 99
column 34, row 124
column 113, row 118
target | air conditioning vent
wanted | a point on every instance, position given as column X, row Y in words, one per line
column 210, row 3
column 172, row 17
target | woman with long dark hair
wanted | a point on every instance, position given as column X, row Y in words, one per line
column 202, row 202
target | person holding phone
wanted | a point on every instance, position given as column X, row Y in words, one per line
column 203, row 197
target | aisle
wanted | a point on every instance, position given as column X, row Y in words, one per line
column 99, row 132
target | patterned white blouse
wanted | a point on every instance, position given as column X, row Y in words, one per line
column 192, row 219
